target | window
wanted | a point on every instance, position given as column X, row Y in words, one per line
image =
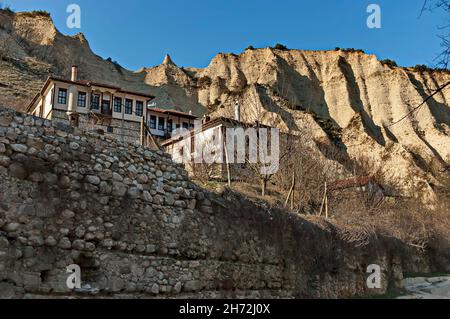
column 161, row 122
column 118, row 105
column 191, row 126
column 106, row 107
column 62, row 96
column 139, row 108
column 128, row 106
column 152, row 122
column 177, row 126
column 109, row 129
column 185, row 125
column 95, row 103
column 169, row 126
column 81, row 102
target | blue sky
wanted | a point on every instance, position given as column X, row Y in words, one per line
column 139, row 33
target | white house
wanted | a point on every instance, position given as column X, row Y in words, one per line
column 163, row 122
column 103, row 107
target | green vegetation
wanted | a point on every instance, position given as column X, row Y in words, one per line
column 250, row 47
column 281, row 47
column 421, row 68
column 424, row 68
column 5, row 8
column 350, row 50
column 389, row 63
column 331, row 128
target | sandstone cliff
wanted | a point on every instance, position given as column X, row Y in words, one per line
column 349, row 98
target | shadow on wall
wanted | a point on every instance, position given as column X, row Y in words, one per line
column 440, row 111
column 301, row 89
column 357, row 105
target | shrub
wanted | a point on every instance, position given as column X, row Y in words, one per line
column 250, row 47
column 40, row 12
column 281, row 47
column 421, row 68
column 424, row 68
column 352, row 50
column 6, row 9
column 389, row 63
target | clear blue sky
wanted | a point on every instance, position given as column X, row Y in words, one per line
column 139, row 33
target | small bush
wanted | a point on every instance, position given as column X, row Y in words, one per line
column 424, row 68
column 352, row 50
column 389, row 63
column 6, row 9
column 40, row 13
column 250, row 47
column 281, row 47
column 421, row 68
column 337, row 49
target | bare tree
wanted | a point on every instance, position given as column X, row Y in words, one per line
column 442, row 59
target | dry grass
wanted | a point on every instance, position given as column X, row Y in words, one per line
column 356, row 214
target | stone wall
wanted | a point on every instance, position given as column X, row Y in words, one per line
column 137, row 227
column 124, row 131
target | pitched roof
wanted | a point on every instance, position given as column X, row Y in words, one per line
column 86, row 83
column 172, row 112
column 225, row 121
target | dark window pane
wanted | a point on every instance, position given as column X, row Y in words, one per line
column 161, row 122
column 95, row 103
column 128, row 106
column 139, row 108
column 81, row 99
column 106, row 107
column 62, row 96
column 153, row 122
column 117, row 105
column 185, row 125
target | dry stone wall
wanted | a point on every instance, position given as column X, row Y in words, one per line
column 124, row 131
column 138, row 228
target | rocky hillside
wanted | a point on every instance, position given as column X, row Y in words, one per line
column 341, row 97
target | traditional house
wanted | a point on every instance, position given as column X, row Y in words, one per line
column 163, row 122
column 105, row 108
column 211, row 136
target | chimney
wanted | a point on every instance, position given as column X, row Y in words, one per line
column 74, row 75
column 237, row 111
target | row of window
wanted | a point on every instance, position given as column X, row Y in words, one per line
column 162, row 122
column 95, row 102
column 128, row 108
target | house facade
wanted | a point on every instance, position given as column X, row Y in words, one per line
column 163, row 122
column 103, row 108
column 211, row 136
